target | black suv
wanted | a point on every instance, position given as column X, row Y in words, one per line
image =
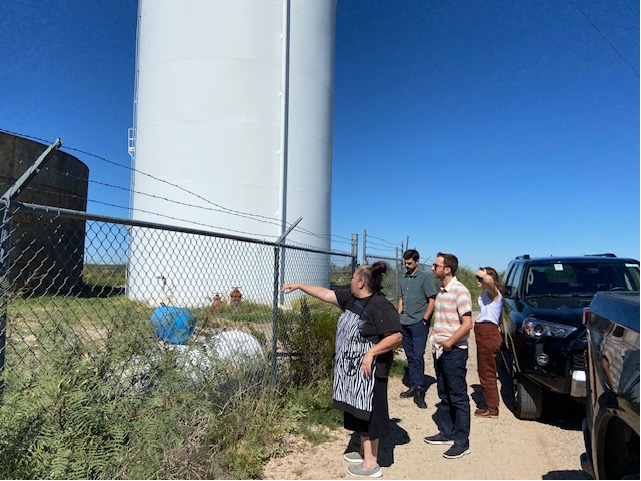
column 611, row 428
column 544, row 339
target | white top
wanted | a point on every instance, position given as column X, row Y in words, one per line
column 490, row 310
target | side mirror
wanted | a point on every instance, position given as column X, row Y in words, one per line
column 508, row 291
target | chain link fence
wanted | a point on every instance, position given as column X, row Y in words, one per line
column 125, row 340
column 392, row 280
column 81, row 285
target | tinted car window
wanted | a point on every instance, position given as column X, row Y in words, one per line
column 512, row 279
column 580, row 278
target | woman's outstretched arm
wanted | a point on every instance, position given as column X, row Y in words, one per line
column 318, row 292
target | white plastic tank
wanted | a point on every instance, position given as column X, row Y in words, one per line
column 214, row 78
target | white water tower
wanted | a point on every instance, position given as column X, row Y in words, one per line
column 233, row 102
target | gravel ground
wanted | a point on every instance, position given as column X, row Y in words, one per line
column 503, row 448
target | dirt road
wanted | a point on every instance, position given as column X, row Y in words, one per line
column 503, row 448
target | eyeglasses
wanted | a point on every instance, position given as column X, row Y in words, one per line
column 479, row 278
column 437, row 265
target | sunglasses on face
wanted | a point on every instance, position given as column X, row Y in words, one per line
column 479, row 278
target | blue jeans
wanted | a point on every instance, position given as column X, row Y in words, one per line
column 452, row 415
column 414, row 341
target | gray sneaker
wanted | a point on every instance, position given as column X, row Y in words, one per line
column 357, row 470
column 353, row 457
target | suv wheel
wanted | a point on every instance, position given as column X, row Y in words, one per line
column 528, row 399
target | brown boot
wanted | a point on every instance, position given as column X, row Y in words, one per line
column 487, row 413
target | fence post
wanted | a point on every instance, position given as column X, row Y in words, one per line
column 5, row 246
column 399, row 268
column 277, row 248
column 364, row 246
column 354, row 252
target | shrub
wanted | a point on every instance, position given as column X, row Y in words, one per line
column 309, row 336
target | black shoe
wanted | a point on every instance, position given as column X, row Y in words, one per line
column 456, row 452
column 419, row 399
column 410, row 392
column 439, row 439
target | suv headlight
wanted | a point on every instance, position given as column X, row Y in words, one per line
column 538, row 329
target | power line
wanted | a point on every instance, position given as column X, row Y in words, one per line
column 604, row 37
column 220, row 208
column 378, row 238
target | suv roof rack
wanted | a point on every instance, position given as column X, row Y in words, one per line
column 524, row 256
column 606, row 254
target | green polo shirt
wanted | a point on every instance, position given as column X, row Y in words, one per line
column 415, row 291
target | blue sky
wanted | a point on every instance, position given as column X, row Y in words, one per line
column 488, row 129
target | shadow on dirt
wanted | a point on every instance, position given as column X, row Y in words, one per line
column 558, row 409
column 397, row 437
column 567, row 475
column 427, row 379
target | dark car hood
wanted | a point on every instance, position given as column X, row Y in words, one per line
column 562, row 310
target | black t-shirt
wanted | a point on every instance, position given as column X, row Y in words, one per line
column 378, row 317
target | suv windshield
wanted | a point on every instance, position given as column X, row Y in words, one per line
column 577, row 278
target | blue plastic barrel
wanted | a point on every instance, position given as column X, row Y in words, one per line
column 173, row 324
